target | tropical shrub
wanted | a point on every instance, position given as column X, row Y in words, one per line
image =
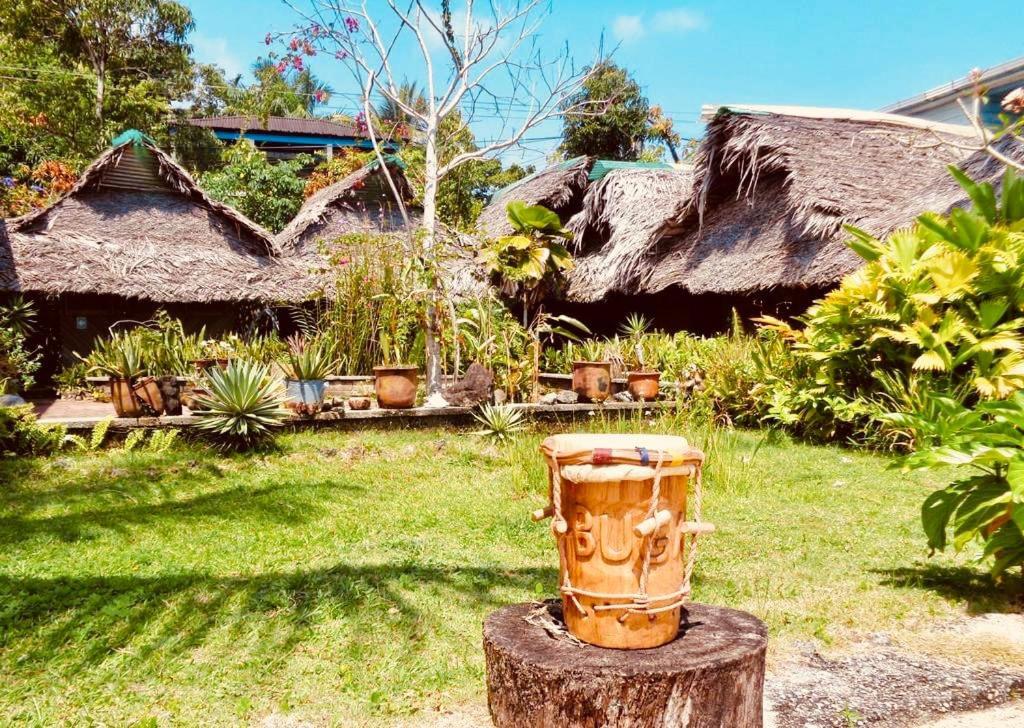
column 936, row 307
column 987, row 504
column 244, row 406
column 268, row 193
column 534, row 254
column 18, row 363
column 500, row 421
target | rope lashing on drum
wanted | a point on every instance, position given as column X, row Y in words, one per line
column 641, row 601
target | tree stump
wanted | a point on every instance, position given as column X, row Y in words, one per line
column 711, row 676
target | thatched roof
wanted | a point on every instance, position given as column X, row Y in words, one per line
column 137, row 225
column 621, row 217
column 362, row 202
column 559, row 188
column 772, row 191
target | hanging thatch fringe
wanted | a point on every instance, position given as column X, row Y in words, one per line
column 166, row 242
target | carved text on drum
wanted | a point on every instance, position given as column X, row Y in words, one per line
column 618, row 540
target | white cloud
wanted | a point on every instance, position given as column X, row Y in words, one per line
column 215, row 50
column 628, row 27
column 679, row 20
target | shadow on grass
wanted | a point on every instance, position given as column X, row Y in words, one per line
column 73, row 624
column 976, row 588
column 240, row 502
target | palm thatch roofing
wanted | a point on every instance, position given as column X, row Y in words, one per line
column 136, row 225
column 559, row 188
column 362, row 202
column 773, row 187
column 763, row 205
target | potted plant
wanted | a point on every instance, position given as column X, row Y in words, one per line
column 214, row 353
column 592, row 375
column 120, row 359
column 168, row 360
column 306, row 365
column 394, row 382
column 642, row 382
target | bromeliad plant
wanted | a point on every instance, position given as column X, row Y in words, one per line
column 119, row 357
column 244, row 406
column 987, row 505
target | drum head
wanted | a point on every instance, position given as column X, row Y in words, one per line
column 606, row 449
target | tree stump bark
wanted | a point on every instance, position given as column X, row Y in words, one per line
column 711, row 676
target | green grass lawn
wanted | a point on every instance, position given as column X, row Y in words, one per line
column 344, row 578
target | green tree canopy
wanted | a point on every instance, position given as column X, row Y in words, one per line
column 87, row 70
column 621, row 131
column 270, row 194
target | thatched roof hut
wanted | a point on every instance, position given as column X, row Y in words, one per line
column 136, row 225
column 773, row 187
column 622, row 215
column 560, row 188
column 361, row 202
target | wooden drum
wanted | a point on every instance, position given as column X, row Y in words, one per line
column 619, row 505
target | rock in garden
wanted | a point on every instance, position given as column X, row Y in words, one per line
column 473, row 389
column 566, row 396
column 11, row 400
column 622, row 397
column 359, row 403
column 549, row 398
column 500, row 397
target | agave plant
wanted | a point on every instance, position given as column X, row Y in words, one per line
column 243, row 407
column 501, row 422
column 306, row 359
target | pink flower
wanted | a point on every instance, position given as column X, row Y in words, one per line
column 352, row 24
column 308, row 49
column 1013, row 102
column 341, row 55
column 281, row 67
column 297, row 63
column 314, row 30
column 268, row 39
column 320, row 96
column 294, row 45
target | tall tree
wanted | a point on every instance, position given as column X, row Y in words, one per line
column 621, row 131
column 72, row 55
column 488, row 61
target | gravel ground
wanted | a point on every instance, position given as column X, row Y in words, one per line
column 881, row 686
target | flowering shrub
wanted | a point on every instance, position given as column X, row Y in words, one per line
column 29, row 189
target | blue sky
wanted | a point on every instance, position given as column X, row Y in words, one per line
column 860, row 55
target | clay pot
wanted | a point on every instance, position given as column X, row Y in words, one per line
column 592, row 380
column 395, row 386
column 126, row 404
column 147, row 391
column 202, row 365
column 643, row 385
column 170, row 390
column 359, row 403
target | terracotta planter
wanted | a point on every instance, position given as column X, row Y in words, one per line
column 395, row 386
column 592, row 380
column 202, row 365
column 170, row 390
column 147, row 391
column 126, row 404
column 643, row 385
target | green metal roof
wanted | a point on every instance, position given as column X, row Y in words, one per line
column 134, row 136
column 604, row 166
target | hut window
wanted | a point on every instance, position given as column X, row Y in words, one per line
column 81, row 323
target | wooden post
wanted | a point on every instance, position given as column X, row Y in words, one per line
column 711, row 676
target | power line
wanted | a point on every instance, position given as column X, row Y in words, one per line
column 494, row 100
